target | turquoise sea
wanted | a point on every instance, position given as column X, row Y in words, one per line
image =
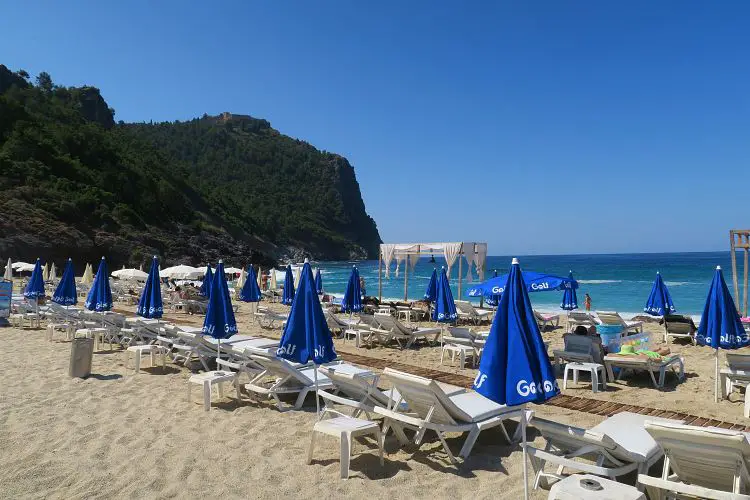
column 619, row 282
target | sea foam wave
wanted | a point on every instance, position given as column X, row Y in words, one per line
column 598, row 282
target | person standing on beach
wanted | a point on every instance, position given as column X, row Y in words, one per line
column 587, row 302
column 362, row 286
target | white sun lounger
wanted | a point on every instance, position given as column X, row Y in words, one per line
column 617, row 446
column 468, row 312
column 674, row 362
column 543, row 320
column 269, row 319
column 392, row 329
column 736, row 373
column 279, row 376
column 614, row 318
column 700, row 462
column 430, row 407
column 358, row 389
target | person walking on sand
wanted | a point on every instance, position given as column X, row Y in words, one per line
column 587, row 302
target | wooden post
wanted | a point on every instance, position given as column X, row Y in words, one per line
column 406, row 278
column 380, row 275
column 460, row 270
column 744, row 295
column 733, row 256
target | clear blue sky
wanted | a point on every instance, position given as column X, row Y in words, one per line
column 539, row 127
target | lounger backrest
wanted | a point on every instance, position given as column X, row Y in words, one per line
column 580, row 316
column 281, row 368
column 584, row 344
column 610, row 318
column 353, row 386
column 679, row 328
column 392, row 324
column 703, row 456
column 461, row 333
column 465, row 307
column 567, row 439
column 369, row 320
column 424, row 395
column 738, row 361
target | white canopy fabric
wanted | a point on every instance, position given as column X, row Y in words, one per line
column 241, row 279
column 130, row 274
column 232, row 270
column 260, row 273
column 474, row 253
column 23, row 267
column 8, row 270
column 45, row 272
column 52, row 272
column 181, row 272
column 273, row 284
column 88, row 275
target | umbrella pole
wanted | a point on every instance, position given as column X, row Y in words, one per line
column 716, row 375
column 36, row 308
column 218, row 353
column 317, row 400
column 525, row 466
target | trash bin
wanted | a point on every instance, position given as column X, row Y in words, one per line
column 81, row 353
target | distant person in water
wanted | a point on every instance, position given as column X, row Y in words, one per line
column 362, row 286
column 587, row 302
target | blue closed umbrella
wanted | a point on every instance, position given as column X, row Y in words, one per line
column 219, row 322
column 208, row 278
column 99, row 298
column 352, row 300
column 659, row 301
column 430, row 294
column 720, row 323
column 570, row 299
column 515, row 368
column 306, row 334
column 65, row 293
column 250, row 290
column 444, row 308
column 288, row 293
column 35, row 286
column 318, row 282
column 493, row 299
column 150, row 304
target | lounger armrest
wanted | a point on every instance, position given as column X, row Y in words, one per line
column 418, row 422
column 688, row 489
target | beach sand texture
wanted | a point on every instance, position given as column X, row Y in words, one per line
column 119, row 435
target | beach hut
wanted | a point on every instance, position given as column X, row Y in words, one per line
column 472, row 252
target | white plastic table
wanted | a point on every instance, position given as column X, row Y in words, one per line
column 593, row 368
column 572, row 488
column 346, row 428
column 208, row 379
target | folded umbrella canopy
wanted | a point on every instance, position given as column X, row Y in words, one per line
column 65, row 293
column 288, row 296
column 219, row 322
column 306, row 335
column 659, row 301
column 250, row 290
column 570, row 298
column 130, row 274
column 8, row 270
column 444, row 308
column 352, row 300
column 52, row 272
column 208, row 278
column 99, row 298
column 430, row 293
column 35, row 286
column 318, row 282
column 88, row 275
column 150, row 304
column 242, row 278
column 272, row 283
column 515, row 368
column 720, row 323
column 45, row 272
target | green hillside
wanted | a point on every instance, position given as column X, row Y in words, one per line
column 75, row 183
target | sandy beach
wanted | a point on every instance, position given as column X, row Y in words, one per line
column 119, row 435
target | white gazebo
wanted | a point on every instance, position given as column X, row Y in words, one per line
column 409, row 253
